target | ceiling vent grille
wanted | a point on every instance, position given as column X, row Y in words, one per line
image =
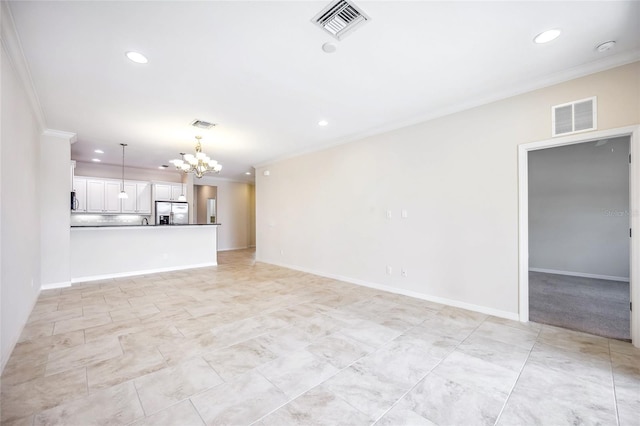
column 202, row 124
column 574, row 117
column 340, row 18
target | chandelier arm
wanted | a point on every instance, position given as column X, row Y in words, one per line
column 200, row 168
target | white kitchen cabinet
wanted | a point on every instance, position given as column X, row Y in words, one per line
column 80, row 188
column 163, row 192
column 176, row 192
column 129, row 205
column 139, row 200
column 143, row 198
column 102, row 196
column 169, row 191
column 111, row 200
column 95, row 195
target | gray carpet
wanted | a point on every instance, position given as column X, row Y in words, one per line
column 594, row 306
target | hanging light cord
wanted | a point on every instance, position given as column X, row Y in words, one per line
column 123, row 145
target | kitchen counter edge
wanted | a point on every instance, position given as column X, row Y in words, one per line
column 143, row 226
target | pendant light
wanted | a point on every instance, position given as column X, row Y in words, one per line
column 123, row 195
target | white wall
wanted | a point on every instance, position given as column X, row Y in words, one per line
column 109, row 171
column 457, row 178
column 55, row 186
column 99, row 253
column 19, row 206
column 252, row 215
column 579, row 208
column 234, row 212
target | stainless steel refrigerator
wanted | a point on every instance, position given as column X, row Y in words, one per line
column 172, row 213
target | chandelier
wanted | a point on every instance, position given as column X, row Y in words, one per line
column 198, row 164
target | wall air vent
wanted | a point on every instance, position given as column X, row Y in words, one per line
column 574, row 117
column 340, row 18
column 202, row 124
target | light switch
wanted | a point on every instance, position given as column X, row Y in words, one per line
column 388, row 214
column 404, row 214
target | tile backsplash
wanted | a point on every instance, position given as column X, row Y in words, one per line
column 107, row 220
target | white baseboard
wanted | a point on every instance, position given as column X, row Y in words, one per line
column 234, row 248
column 404, row 292
column 53, row 286
column 140, row 272
column 580, row 274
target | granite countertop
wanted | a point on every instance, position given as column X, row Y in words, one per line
column 143, row 226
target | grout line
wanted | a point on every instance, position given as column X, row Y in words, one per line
column 196, row 410
column 430, row 371
column 133, row 382
column 506, row 401
column 613, row 383
column 289, row 400
column 86, row 378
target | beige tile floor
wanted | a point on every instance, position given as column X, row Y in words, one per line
column 245, row 343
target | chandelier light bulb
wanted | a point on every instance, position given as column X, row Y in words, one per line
column 198, row 164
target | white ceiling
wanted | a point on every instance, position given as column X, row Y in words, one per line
column 258, row 70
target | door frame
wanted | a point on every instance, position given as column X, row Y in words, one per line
column 634, row 206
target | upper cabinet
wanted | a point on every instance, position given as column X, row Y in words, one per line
column 163, row 192
column 139, row 200
column 176, row 192
column 80, row 188
column 169, row 191
column 96, row 195
column 102, row 196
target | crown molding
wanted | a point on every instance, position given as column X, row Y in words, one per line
column 72, row 137
column 583, row 70
column 15, row 55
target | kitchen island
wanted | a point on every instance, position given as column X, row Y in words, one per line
column 118, row 251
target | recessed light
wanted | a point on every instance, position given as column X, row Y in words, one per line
column 136, row 57
column 323, row 123
column 546, row 36
column 329, row 47
column 97, row 160
column 247, row 173
column 607, row 45
column 99, row 151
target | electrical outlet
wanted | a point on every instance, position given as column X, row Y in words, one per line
column 404, row 214
column 389, row 270
column 403, row 272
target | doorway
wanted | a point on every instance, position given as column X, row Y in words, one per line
column 525, row 257
column 205, row 201
column 579, row 237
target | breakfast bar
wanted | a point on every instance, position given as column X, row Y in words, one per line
column 118, row 251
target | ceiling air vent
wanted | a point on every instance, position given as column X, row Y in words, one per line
column 574, row 117
column 340, row 18
column 202, row 124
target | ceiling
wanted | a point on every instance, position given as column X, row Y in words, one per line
column 257, row 69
